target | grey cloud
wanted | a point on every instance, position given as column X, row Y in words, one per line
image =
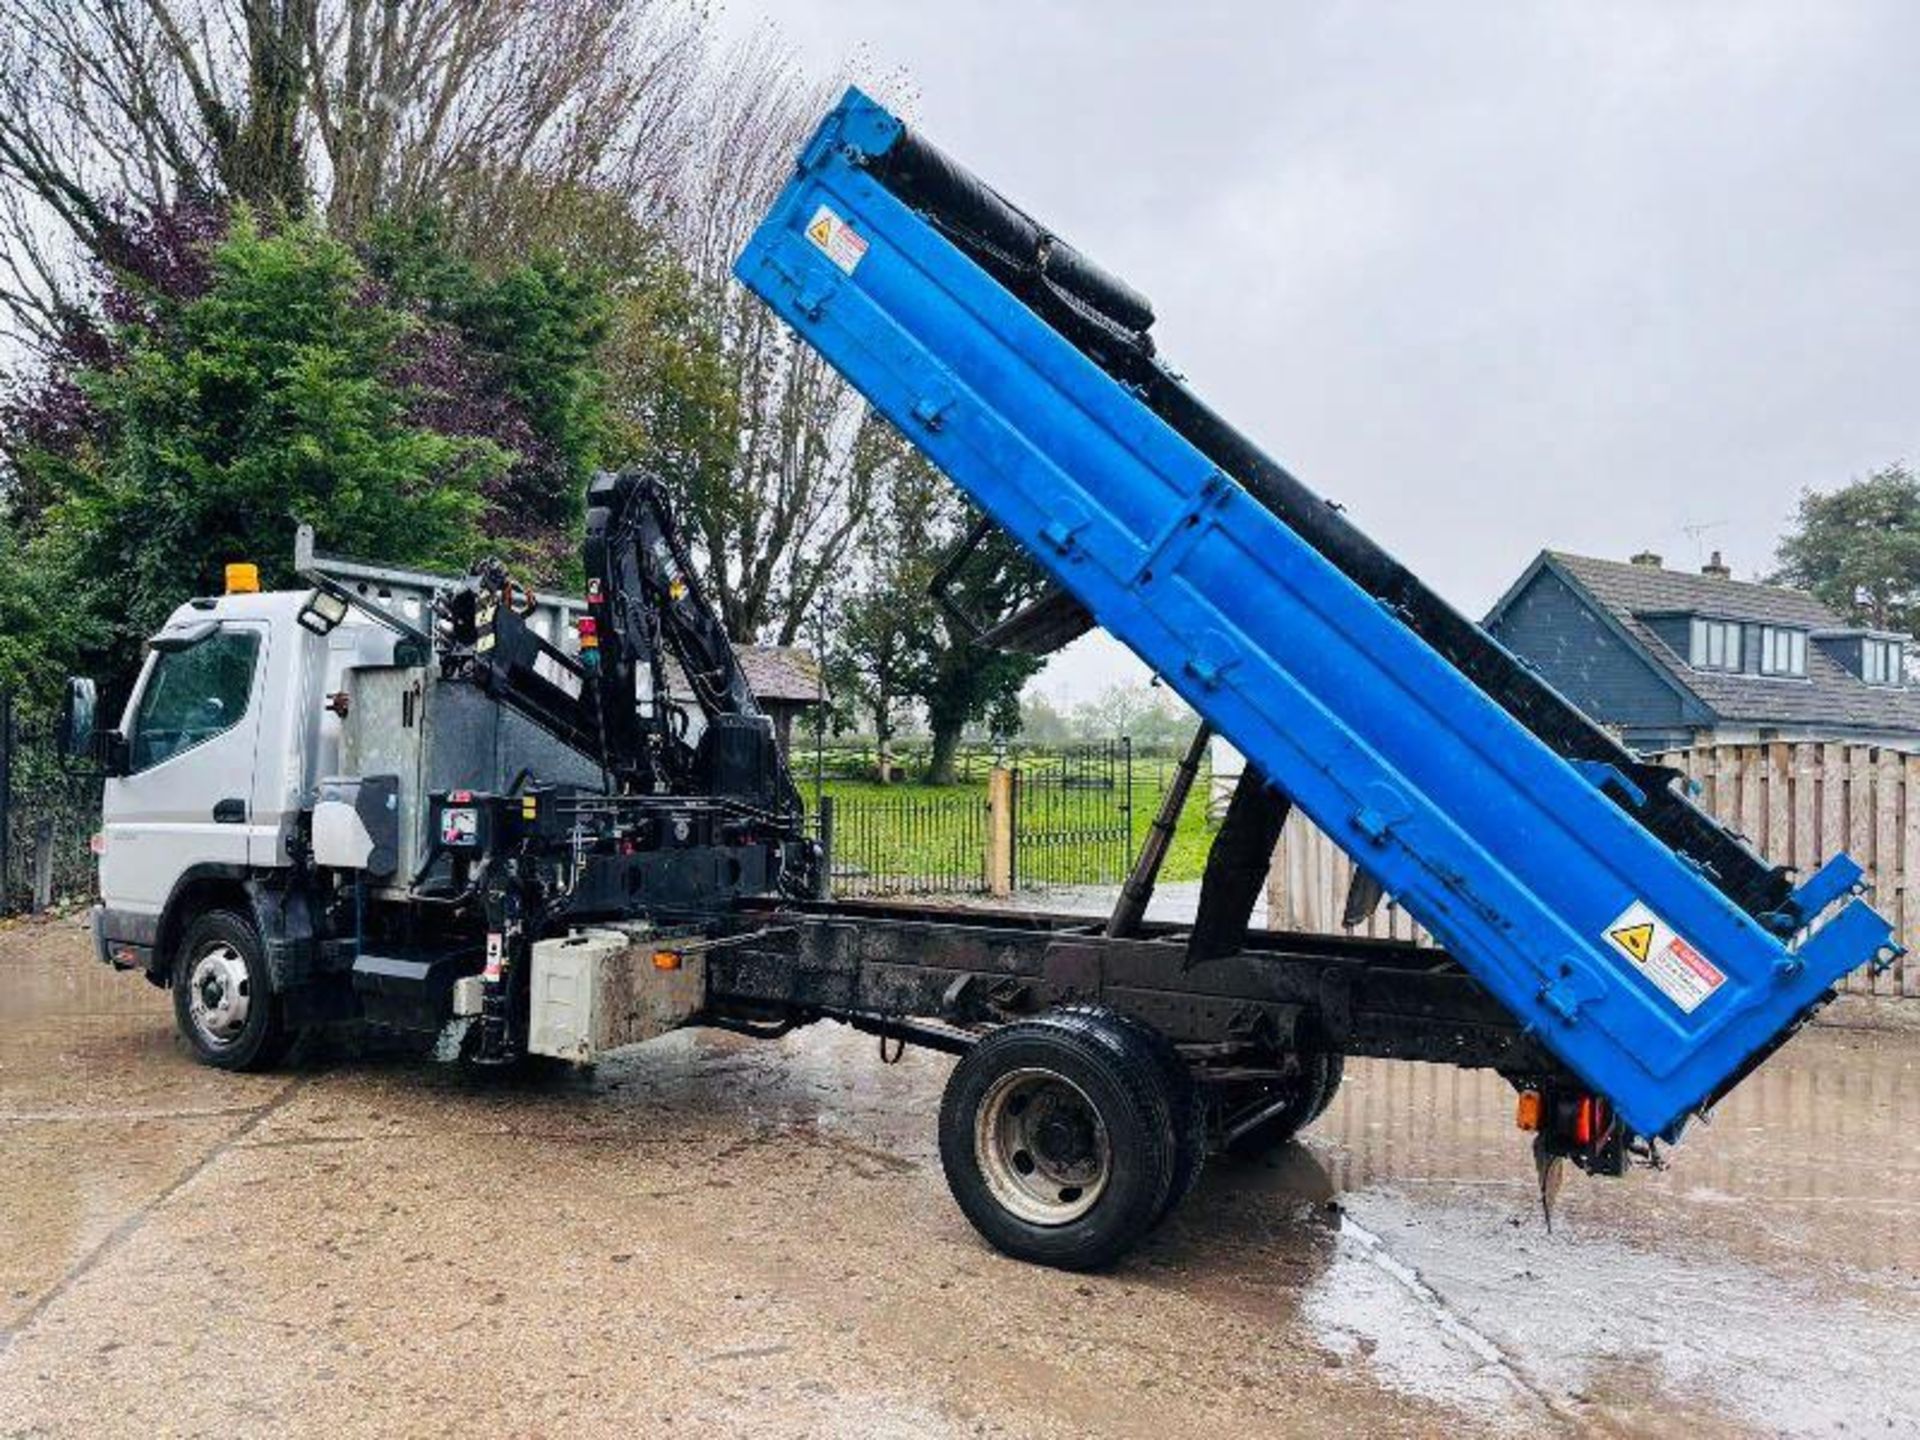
column 1496, row 277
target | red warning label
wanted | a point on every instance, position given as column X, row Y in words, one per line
column 836, row 238
column 1674, row 965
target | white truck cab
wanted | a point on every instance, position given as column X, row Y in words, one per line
column 248, row 708
column 222, row 740
column 384, row 797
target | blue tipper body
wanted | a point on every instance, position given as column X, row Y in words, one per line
column 1644, row 978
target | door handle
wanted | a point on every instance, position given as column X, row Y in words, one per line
column 230, row 812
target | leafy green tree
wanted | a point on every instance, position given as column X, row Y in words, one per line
column 1149, row 714
column 1041, row 721
column 887, row 615
column 1858, row 549
column 509, row 354
column 904, row 647
column 31, row 662
column 221, row 422
column 959, row 682
column 673, row 396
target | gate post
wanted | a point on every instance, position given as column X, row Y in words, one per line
column 42, row 865
column 999, row 857
column 823, row 883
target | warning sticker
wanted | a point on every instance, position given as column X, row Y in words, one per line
column 1681, row 973
column 836, row 239
column 1636, row 940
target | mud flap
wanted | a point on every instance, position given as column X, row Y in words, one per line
column 1237, row 867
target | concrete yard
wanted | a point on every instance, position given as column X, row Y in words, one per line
column 718, row 1236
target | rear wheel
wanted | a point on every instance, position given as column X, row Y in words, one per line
column 1058, row 1138
column 1333, row 1071
column 1260, row 1116
column 1186, row 1105
column 223, row 998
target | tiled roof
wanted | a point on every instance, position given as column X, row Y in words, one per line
column 1626, row 588
column 780, row 674
column 1829, row 695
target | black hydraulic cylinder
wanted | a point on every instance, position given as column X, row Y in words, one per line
column 1237, row 867
column 973, row 210
column 1131, row 908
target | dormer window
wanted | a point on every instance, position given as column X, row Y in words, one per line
column 1716, row 644
column 1882, row 662
column 1783, row 651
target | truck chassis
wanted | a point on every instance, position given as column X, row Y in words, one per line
column 887, row 967
column 1240, row 1052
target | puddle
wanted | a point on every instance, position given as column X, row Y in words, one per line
column 1596, row 1321
column 1765, row 1281
column 1372, row 1307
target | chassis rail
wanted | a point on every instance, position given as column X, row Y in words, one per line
column 892, row 966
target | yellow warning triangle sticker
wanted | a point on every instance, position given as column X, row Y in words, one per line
column 821, row 231
column 1636, row 940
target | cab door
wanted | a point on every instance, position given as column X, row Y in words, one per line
column 192, row 728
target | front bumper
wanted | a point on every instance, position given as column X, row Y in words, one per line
column 110, row 949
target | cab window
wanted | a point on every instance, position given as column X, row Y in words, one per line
column 193, row 695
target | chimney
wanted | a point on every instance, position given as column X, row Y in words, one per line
column 1646, row 560
column 1716, row 568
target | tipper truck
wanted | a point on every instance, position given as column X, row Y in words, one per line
column 528, row 825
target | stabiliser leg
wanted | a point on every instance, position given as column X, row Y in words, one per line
column 508, row 955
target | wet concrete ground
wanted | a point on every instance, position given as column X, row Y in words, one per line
column 716, row 1236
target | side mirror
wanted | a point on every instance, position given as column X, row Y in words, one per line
column 84, row 748
column 75, row 739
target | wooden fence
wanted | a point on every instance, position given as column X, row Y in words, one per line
column 1797, row 804
column 1307, row 889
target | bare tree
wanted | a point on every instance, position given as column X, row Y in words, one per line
column 84, row 117
column 774, row 522
column 444, row 101
column 111, row 107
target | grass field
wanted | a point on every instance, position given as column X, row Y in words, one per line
column 934, row 831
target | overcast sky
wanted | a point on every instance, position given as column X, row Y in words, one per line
column 1495, row 276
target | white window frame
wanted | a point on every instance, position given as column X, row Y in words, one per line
column 1715, row 644
column 1783, row 652
column 1882, row 662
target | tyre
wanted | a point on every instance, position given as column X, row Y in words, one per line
column 1186, row 1105
column 223, row 998
column 1333, row 1071
column 1058, row 1138
column 1264, row 1115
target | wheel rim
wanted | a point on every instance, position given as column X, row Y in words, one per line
column 218, row 996
column 1042, row 1147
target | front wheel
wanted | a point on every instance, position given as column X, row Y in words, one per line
column 223, row 998
column 1058, row 1138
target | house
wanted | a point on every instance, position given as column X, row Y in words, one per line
column 786, row 680
column 1673, row 658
